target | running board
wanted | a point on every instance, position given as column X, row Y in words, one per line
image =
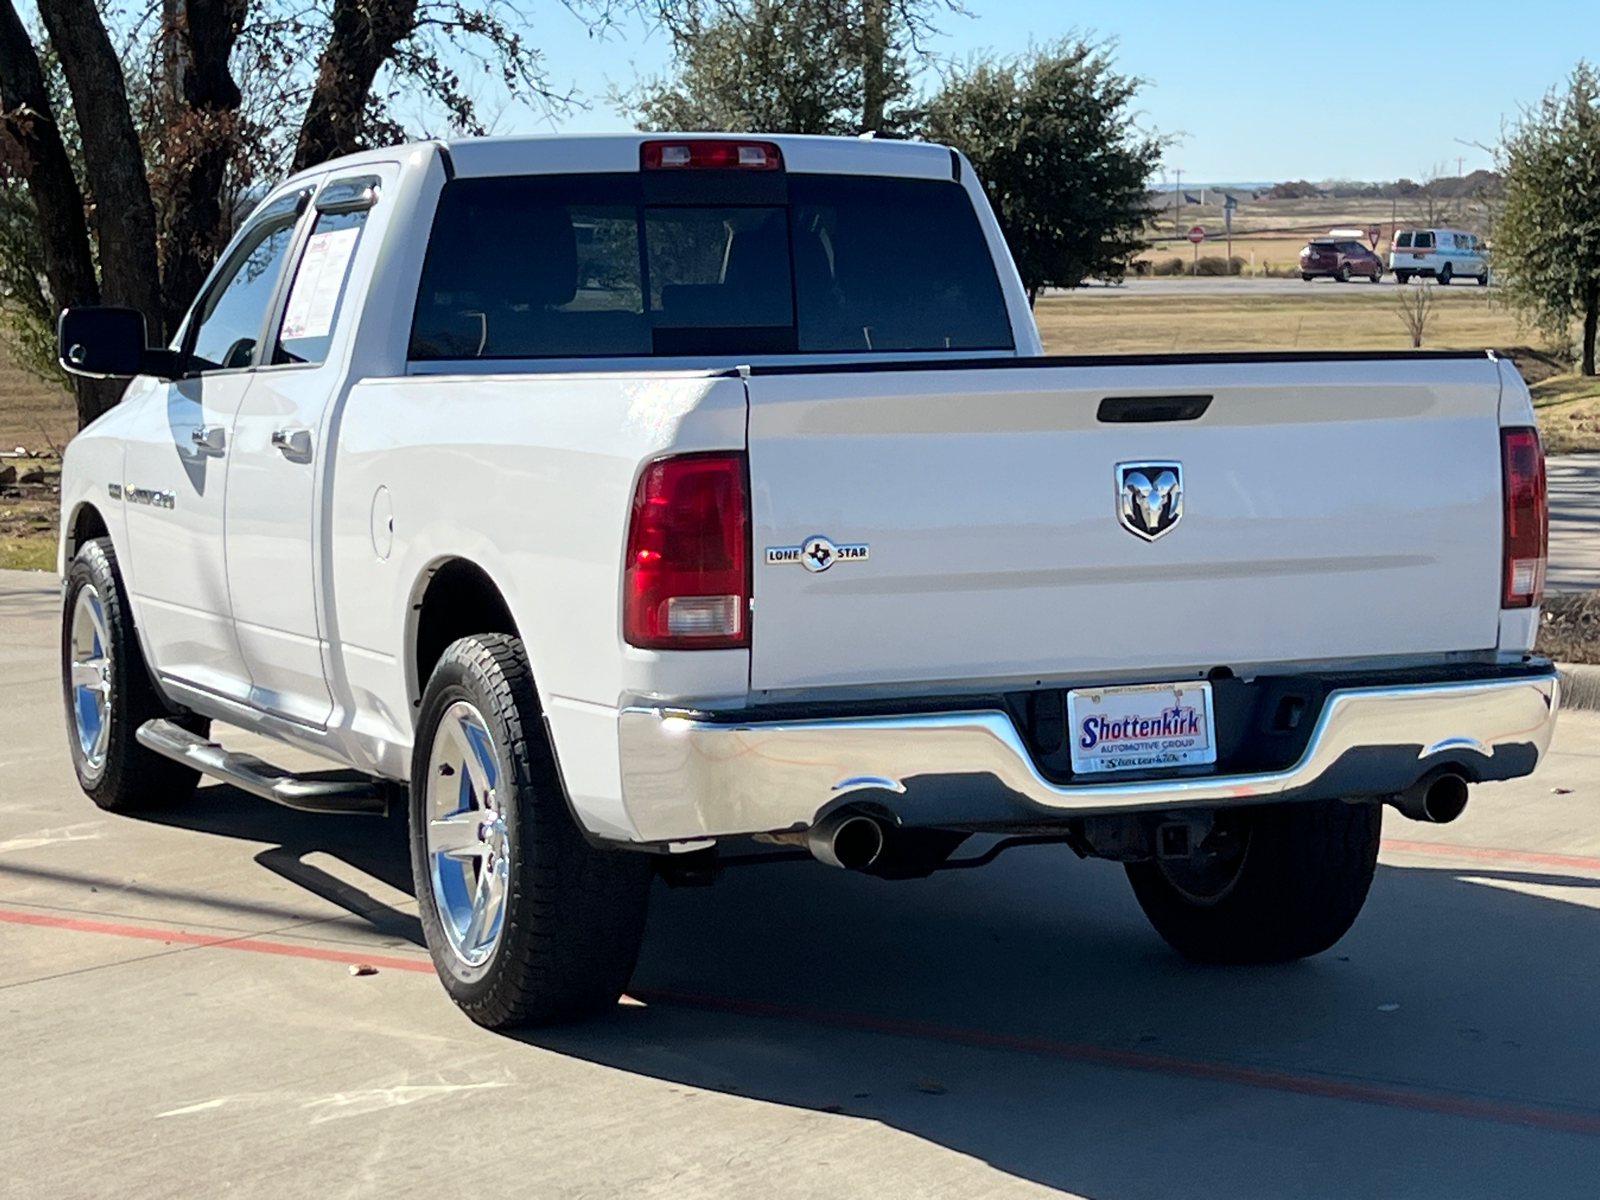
column 249, row 774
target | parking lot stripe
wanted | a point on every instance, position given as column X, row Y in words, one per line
column 1574, row 862
column 1415, row 1099
column 183, row 937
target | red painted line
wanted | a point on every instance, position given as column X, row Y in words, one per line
column 183, row 937
column 1490, row 854
column 1324, row 1087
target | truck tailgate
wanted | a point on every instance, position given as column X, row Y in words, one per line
column 1331, row 509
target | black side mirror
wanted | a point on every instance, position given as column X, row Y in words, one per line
column 102, row 342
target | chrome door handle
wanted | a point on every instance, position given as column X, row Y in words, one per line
column 210, row 439
column 295, row 443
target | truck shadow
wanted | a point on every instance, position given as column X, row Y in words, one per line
column 1027, row 1017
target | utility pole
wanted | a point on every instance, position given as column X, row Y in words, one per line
column 1177, row 201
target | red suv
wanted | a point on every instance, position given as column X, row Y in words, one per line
column 1341, row 260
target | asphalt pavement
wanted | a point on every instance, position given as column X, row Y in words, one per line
column 179, row 1017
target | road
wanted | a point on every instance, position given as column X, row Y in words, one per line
column 179, row 1017
column 1574, row 481
column 1238, row 285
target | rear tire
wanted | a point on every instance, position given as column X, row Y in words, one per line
column 1288, row 882
column 1308, row 278
column 526, row 922
column 1483, row 280
column 109, row 693
column 1377, row 276
column 1402, row 277
column 1446, row 274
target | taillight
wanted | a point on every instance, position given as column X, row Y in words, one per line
column 686, row 585
column 713, row 153
column 1527, row 528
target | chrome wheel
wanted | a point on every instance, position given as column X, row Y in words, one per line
column 91, row 677
column 468, row 843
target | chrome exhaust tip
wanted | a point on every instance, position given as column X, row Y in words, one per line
column 1437, row 798
column 847, row 840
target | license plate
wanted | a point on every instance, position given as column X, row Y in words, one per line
column 1140, row 728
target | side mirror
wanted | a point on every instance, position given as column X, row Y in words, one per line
column 102, row 342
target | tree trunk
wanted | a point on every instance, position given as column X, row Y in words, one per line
column 125, row 218
column 1591, row 320
column 874, row 49
column 202, row 136
column 363, row 37
column 31, row 143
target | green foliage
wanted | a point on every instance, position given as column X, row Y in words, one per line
column 27, row 314
column 769, row 66
column 1547, row 238
column 1056, row 143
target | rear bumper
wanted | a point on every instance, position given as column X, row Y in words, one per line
column 687, row 776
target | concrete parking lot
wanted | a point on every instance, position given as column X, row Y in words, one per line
column 178, row 1017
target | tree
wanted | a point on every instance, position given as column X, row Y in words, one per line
column 1059, row 151
column 162, row 125
column 805, row 66
column 1547, row 238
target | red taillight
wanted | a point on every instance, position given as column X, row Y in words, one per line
column 1527, row 528
column 713, row 153
column 686, row 585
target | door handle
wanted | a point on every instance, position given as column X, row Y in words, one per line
column 209, row 439
column 295, row 443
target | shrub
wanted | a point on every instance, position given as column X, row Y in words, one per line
column 1170, row 266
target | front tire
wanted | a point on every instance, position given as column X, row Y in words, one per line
column 1285, row 881
column 526, row 922
column 1343, row 275
column 109, row 693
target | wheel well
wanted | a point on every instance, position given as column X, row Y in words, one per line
column 87, row 523
column 460, row 599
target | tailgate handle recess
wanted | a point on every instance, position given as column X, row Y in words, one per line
column 1139, row 410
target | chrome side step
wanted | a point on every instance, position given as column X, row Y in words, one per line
column 249, row 774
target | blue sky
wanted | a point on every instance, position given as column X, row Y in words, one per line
column 1258, row 90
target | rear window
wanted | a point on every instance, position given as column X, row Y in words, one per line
column 573, row 266
column 1404, row 239
column 1424, row 241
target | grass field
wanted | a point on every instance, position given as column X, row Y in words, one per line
column 1328, row 317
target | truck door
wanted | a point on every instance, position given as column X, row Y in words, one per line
column 282, row 441
column 177, row 457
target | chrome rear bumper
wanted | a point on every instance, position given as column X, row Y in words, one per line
column 689, row 776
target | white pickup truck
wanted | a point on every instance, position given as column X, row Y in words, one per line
column 652, row 504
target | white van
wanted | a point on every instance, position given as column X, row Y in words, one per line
column 1445, row 254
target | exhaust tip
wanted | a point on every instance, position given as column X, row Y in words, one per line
column 1437, row 798
column 1445, row 799
column 849, row 840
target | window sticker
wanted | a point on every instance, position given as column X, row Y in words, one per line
column 315, row 296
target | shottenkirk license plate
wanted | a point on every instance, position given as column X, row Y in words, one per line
column 1140, row 728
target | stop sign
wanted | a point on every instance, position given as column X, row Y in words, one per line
column 1196, row 234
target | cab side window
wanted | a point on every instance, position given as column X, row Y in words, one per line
column 228, row 321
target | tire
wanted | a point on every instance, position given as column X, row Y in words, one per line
column 1377, row 276
column 526, row 922
column 1402, row 277
column 1288, row 882
column 1342, row 275
column 1483, row 280
column 1306, row 277
column 1446, row 274
column 108, row 693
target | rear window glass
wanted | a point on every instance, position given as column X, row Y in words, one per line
column 1424, row 241
column 580, row 265
column 1404, row 239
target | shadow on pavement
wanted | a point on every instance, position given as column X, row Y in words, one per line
column 372, row 844
column 1026, row 1015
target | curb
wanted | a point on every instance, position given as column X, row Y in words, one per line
column 1580, row 686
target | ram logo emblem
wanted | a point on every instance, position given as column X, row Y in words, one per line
column 1149, row 497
